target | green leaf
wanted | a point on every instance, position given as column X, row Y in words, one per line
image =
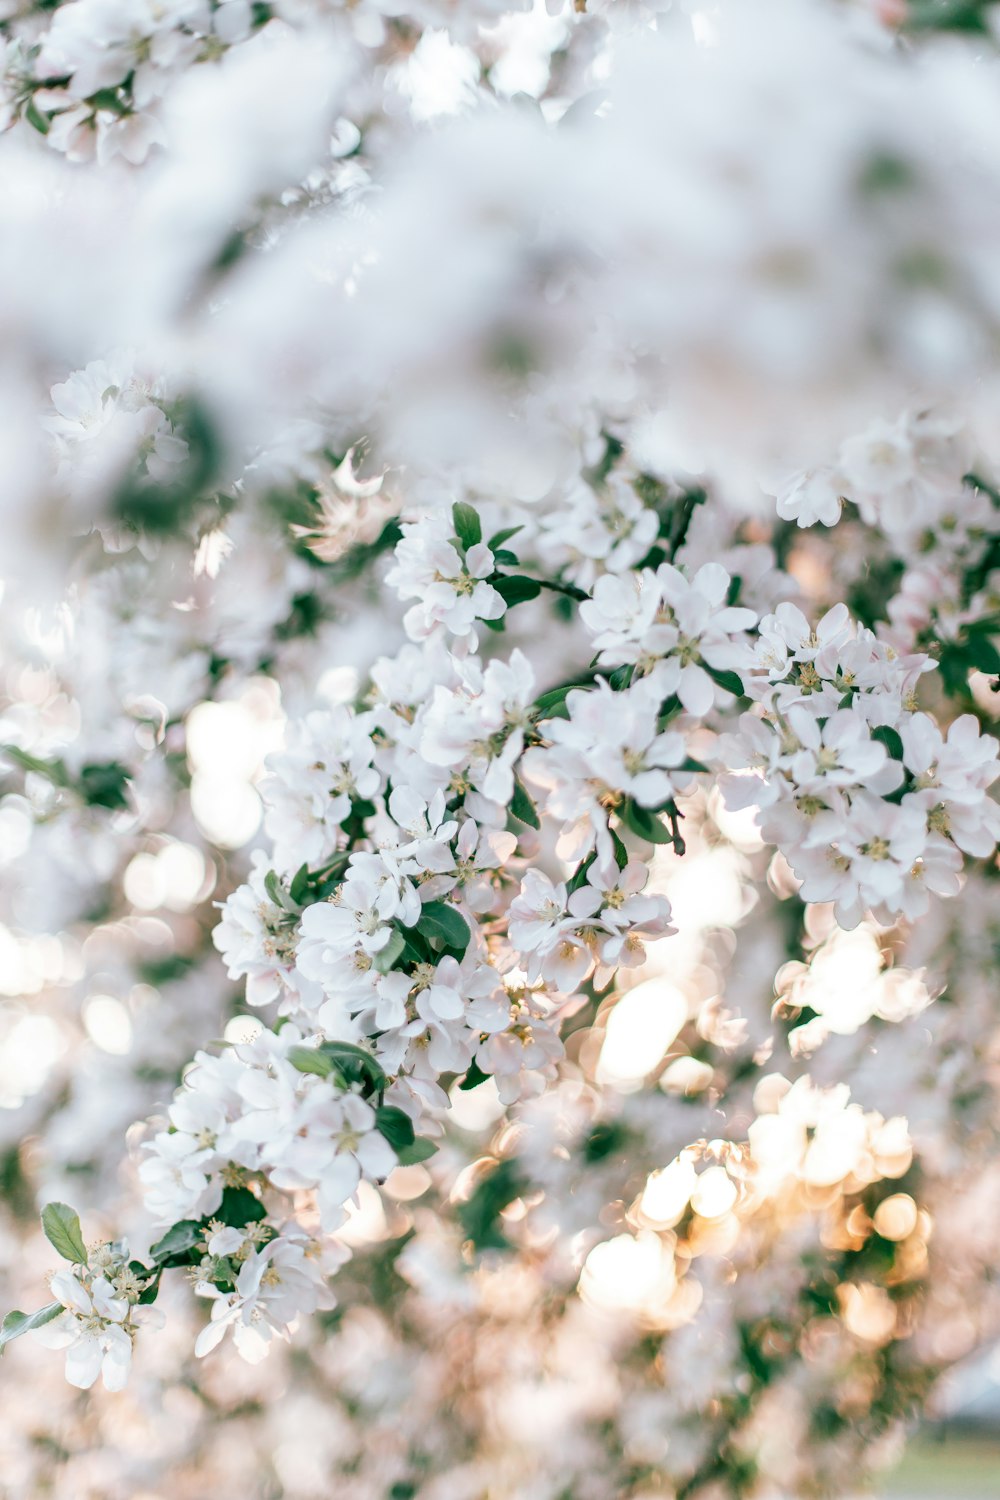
column 352, row 1063
column 890, row 739
column 278, row 893
column 645, row 823
column 621, row 677
column 300, row 885
column 16, row 1323
column 104, row 785
column 983, row 654
column 415, row 950
column 151, row 1291
column 175, row 1246
column 439, row 920
column 522, row 806
column 479, row 1214
column 504, row 558
column 417, row 1151
column 954, row 665
column 606, row 1137
column 516, row 588
column 473, row 1078
column 579, row 876
column 947, row 15
column 468, row 527
column 387, row 956
column 34, row 117
column 690, row 764
column 499, row 537
column 311, row 1060
column 52, row 770
column 62, row 1230
column 239, row 1207
column 552, row 705
column 396, row 1125
column 109, row 99
column 731, row 681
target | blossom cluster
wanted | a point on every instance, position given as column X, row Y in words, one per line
column 871, row 804
column 415, row 932
column 597, row 1025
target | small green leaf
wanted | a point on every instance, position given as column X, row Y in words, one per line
column 890, row 739
column 983, row 654
column 151, row 1291
column 468, row 527
column 645, row 823
column 353, row 1064
column 439, row 920
column 731, row 681
column 239, row 1207
column 504, row 558
column 552, row 705
column 479, row 1215
column 473, row 1078
column 53, row 770
column 104, row 785
column 396, row 1125
column 34, row 117
column 16, row 1323
column 417, row 1151
column 515, row 588
column 300, row 885
column 387, row 956
column 499, row 537
column 621, row 677
column 311, row 1060
column 278, row 893
column 621, row 853
column 522, row 806
column 947, row 15
column 579, row 876
column 62, row 1230
column 173, row 1249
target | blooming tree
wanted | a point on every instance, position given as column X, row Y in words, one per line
column 540, row 456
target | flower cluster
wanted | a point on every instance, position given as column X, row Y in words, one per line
column 93, row 83
column 98, row 1308
column 859, row 790
column 601, row 805
column 255, row 1111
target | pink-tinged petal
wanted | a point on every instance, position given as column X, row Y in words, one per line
column 696, row 690
column 83, row 1361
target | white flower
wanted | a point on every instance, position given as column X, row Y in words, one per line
column 608, row 748
column 480, row 729
column 537, row 913
column 675, row 625
column 276, row 1285
column 313, row 785
column 838, row 752
column 97, row 1328
column 812, row 497
column 339, row 1145
column 258, row 941
column 591, row 532
column 180, row 1179
column 449, row 583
